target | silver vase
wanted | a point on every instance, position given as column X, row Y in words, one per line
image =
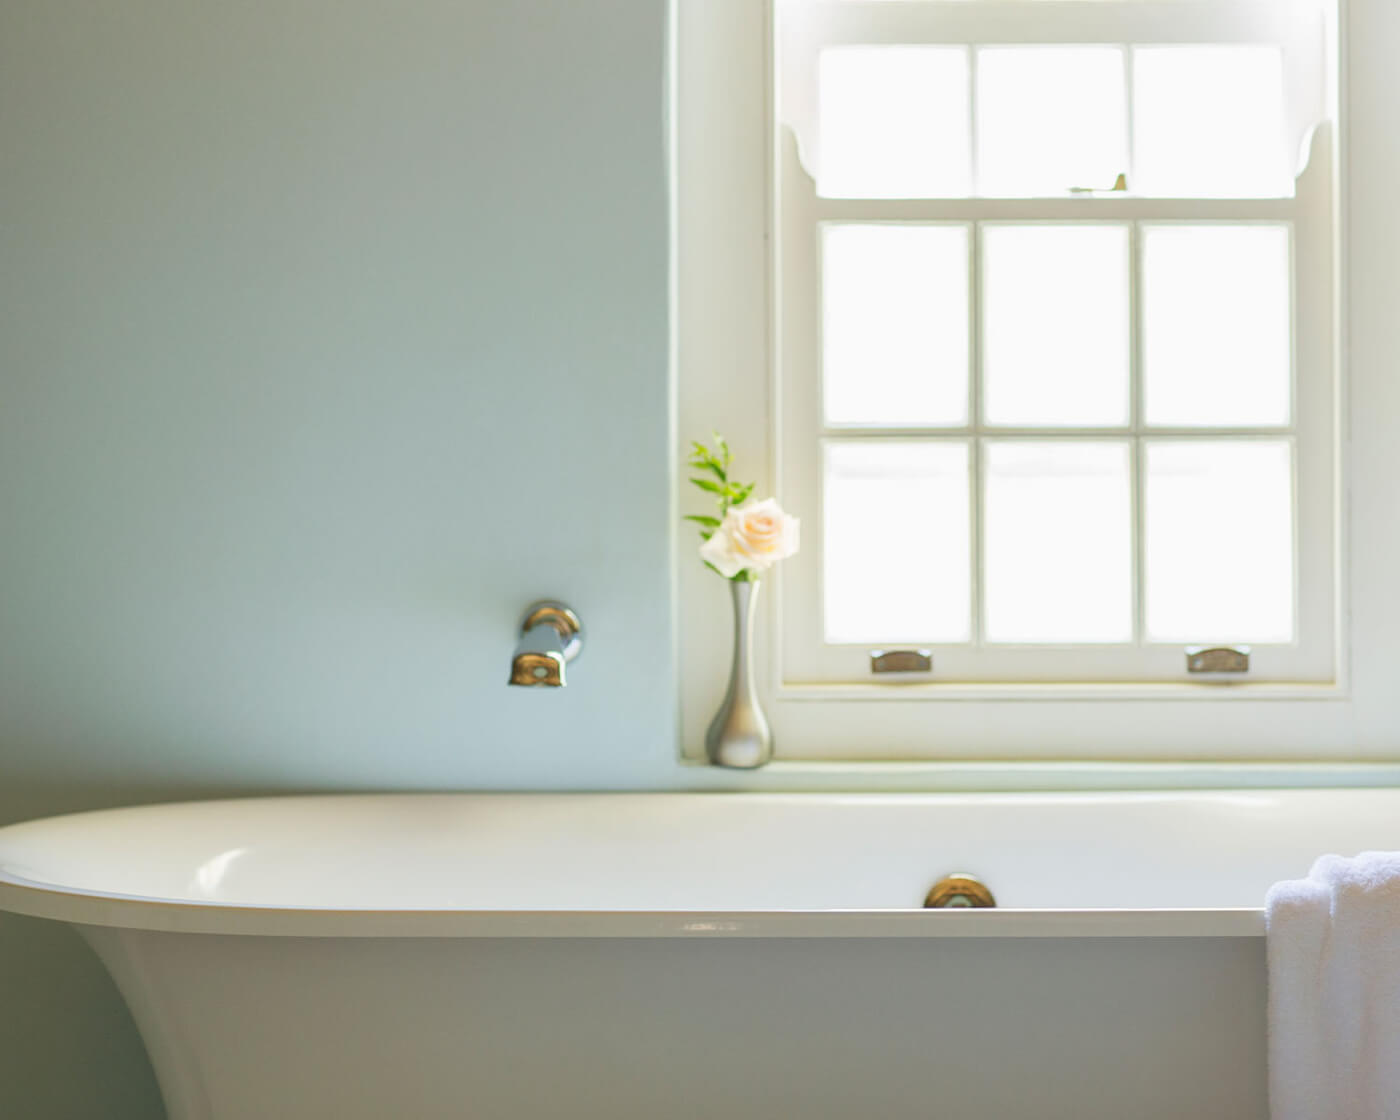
column 739, row 736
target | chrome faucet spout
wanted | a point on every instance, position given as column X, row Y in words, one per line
column 550, row 637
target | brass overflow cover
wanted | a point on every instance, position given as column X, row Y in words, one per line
column 959, row 891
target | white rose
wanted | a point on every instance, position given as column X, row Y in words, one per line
column 755, row 537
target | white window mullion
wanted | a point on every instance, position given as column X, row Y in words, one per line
column 1103, row 208
column 973, row 154
column 1135, row 404
column 1130, row 145
column 974, row 419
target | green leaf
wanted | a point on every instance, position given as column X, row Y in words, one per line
column 716, row 462
column 706, row 462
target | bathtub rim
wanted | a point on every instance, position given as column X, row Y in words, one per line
column 96, row 908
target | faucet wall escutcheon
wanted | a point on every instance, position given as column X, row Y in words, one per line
column 551, row 636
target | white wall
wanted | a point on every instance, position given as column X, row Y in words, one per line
column 332, row 332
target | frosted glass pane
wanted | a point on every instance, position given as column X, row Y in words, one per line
column 897, row 543
column 1209, row 122
column 1058, row 533
column 894, row 324
column 1050, row 118
column 1055, row 325
column 1217, row 334
column 893, row 122
column 1219, row 542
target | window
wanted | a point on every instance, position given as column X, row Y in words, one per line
column 1055, row 339
column 1033, row 308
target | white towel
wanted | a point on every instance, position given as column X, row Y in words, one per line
column 1334, row 991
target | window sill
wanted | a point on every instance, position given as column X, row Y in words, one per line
column 1039, row 777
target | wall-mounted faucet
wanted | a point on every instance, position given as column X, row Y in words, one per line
column 550, row 637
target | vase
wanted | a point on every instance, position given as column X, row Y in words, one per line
column 739, row 737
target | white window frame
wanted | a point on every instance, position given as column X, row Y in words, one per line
column 806, row 659
column 724, row 354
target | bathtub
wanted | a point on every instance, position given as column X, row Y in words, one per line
column 681, row 956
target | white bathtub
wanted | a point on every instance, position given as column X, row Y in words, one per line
column 739, row 956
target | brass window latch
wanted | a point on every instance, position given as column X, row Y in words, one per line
column 1217, row 659
column 901, row 661
column 1120, row 186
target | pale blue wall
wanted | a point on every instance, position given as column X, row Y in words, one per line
column 331, row 333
